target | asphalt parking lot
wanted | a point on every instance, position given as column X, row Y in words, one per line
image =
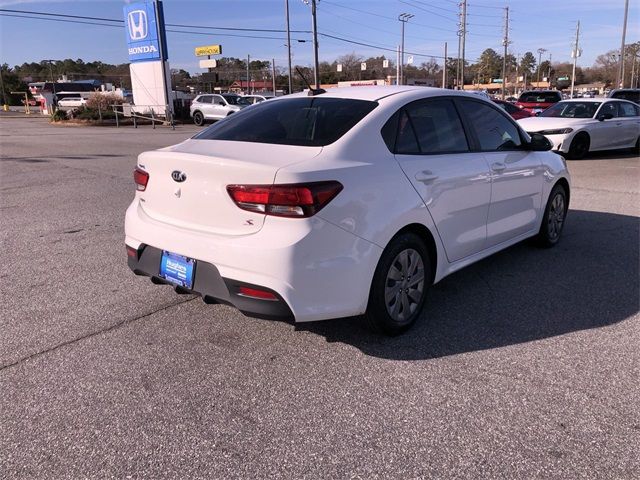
column 527, row 365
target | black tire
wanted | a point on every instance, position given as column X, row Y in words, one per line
column 397, row 315
column 636, row 149
column 579, row 147
column 198, row 118
column 554, row 218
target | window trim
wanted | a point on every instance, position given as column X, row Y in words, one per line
column 458, row 100
column 402, row 109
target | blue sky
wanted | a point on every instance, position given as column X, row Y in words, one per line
column 548, row 24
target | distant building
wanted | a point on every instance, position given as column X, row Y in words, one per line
column 255, row 86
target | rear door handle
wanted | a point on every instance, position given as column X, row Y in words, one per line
column 498, row 167
column 426, row 176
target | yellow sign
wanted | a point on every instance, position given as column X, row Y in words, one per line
column 208, row 50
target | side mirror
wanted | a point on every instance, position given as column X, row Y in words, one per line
column 539, row 143
column 605, row 116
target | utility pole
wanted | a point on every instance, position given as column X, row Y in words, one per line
column 404, row 18
column 505, row 42
column 540, row 52
column 464, row 39
column 248, row 60
column 273, row 75
column 316, row 67
column 444, row 68
column 549, row 72
column 620, row 78
column 286, row 6
column 398, row 66
column 574, row 54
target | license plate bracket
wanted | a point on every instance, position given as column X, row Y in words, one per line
column 177, row 269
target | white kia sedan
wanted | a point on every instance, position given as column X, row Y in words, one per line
column 576, row 127
column 341, row 203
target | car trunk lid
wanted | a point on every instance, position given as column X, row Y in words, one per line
column 188, row 182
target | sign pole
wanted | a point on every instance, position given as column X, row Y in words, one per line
column 163, row 60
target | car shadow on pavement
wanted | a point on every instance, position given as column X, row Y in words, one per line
column 525, row 293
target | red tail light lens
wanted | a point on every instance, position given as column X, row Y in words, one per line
column 141, row 178
column 293, row 200
column 255, row 293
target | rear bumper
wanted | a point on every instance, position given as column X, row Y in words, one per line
column 213, row 288
column 318, row 270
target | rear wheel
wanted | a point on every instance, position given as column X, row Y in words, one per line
column 198, row 118
column 554, row 216
column 636, row 149
column 399, row 286
column 579, row 147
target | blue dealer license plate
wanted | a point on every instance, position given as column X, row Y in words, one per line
column 177, row 269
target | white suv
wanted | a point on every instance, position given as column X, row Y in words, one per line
column 214, row 107
column 347, row 202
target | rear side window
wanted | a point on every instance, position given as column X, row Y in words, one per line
column 204, row 99
column 437, row 126
column 304, row 121
column 494, row 130
column 425, row 126
column 626, row 109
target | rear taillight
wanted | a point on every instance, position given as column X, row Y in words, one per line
column 132, row 252
column 141, row 178
column 293, row 200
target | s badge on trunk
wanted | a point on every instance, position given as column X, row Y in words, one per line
column 178, row 176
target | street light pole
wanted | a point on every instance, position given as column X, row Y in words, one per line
column 286, row 6
column 316, row 66
column 575, row 53
column 404, row 18
column 540, row 52
column 620, row 80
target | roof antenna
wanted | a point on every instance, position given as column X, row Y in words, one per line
column 312, row 91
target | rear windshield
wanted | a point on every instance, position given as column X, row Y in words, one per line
column 632, row 95
column 572, row 110
column 540, row 97
column 306, row 121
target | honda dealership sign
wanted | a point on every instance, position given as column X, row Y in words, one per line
column 147, row 47
column 141, row 27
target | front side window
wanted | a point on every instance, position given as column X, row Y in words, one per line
column 218, row 100
column 304, row 121
column 609, row 107
column 494, row 129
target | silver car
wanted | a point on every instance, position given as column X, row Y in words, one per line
column 214, row 107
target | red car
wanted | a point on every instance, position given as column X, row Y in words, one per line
column 538, row 100
column 515, row 112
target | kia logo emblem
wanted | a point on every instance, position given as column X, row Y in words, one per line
column 138, row 25
column 178, row 176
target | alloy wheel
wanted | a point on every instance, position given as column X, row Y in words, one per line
column 404, row 285
column 556, row 216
